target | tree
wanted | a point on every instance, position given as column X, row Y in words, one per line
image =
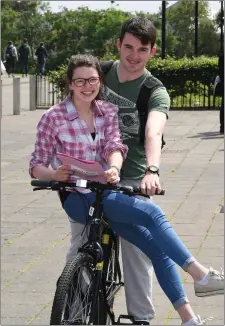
column 180, row 17
column 8, row 29
column 219, row 19
column 22, row 19
column 209, row 39
column 85, row 31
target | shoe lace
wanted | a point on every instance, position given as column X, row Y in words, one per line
column 219, row 274
column 206, row 319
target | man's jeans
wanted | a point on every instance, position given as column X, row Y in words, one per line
column 222, row 115
column 42, row 66
column 24, row 67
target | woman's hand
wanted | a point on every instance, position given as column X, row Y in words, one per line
column 112, row 175
column 62, row 173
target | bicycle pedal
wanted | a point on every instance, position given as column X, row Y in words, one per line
column 119, row 322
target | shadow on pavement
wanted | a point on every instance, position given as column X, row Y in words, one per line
column 208, row 135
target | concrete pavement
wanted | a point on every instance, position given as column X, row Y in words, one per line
column 35, row 230
column 7, row 94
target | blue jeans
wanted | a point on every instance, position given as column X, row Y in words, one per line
column 24, row 66
column 42, row 66
column 144, row 225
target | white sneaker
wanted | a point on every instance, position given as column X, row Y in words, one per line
column 214, row 286
column 197, row 321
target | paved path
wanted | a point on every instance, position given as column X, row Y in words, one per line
column 35, row 231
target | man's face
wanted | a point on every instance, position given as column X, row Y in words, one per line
column 133, row 54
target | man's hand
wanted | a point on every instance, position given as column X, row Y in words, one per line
column 150, row 184
column 112, row 175
column 62, row 173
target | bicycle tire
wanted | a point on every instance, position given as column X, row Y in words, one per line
column 65, row 280
column 68, row 276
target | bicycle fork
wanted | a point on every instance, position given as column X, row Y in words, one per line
column 99, row 261
column 97, row 283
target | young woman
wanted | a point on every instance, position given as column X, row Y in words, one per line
column 85, row 127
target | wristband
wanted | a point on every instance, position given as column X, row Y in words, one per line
column 53, row 175
column 118, row 170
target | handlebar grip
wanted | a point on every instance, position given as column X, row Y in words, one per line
column 138, row 189
column 41, row 183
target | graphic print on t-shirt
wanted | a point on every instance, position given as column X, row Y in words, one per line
column 128, row 114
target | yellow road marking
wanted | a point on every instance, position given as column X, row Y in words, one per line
column 24, row 270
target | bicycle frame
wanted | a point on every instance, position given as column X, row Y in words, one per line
column 100, row 252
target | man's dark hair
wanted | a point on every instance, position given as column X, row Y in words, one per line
column 42, row 43
column 25, row 40
column 141, row 28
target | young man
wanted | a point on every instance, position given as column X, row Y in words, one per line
column 41, row 55
column 24, row 54
column 221, row 75
column 124, row 81
column 11, row 58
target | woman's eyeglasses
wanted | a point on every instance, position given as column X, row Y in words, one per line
column 79, row 82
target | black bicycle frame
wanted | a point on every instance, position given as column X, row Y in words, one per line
column 93, row 245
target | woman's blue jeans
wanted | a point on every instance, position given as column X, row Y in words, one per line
column 144, row 225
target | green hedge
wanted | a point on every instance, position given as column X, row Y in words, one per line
column 185, row 76
column 181, row 77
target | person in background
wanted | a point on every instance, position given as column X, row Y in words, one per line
column 24, row 54
column 11, row 58
column 41, row 54
column 221, row 75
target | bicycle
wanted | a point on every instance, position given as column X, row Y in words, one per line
column 89, row 282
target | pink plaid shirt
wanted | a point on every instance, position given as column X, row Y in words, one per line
column 61, row 130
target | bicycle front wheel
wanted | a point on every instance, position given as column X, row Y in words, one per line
column 73, row 298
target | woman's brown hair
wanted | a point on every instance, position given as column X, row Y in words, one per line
column 82, row 60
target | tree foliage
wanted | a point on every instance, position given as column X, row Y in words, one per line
column 85, row 31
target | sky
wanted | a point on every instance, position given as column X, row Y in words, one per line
column 146, row 6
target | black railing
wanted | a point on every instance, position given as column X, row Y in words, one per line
column 190, row 88
column 47, row 93
column 196, row 95
column 187, row 94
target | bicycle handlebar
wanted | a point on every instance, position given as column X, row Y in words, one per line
column 92, row 185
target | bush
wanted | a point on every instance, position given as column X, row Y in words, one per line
column 58, row 78
column 182, row 76
column 185, row 75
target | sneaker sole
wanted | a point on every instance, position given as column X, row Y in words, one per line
column 209, row 293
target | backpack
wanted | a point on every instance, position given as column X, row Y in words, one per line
column 9, row 52
column 142, row 101
column 24, row 51
column 40, row 53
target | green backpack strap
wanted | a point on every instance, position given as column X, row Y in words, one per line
column 106, row 66
column 142, row 107
column 142, row 100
